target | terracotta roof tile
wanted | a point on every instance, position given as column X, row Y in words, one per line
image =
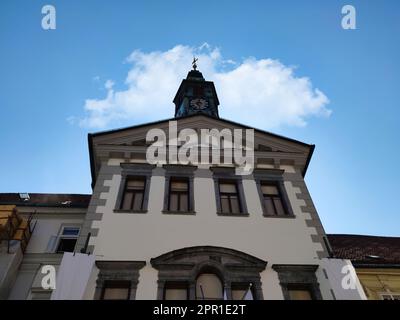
column 368, row 250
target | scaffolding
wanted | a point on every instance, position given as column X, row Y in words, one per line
column 15, row 227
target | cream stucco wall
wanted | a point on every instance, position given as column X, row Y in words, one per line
column 122, row 236
column 140, row 237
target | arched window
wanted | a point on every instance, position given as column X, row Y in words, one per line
column 207, row 272
column 209, row 287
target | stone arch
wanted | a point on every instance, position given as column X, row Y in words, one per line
column 210, row 267
column 232, row 266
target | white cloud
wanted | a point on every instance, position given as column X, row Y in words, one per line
column 109, row 84
column 264, row 93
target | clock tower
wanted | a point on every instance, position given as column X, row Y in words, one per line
column 196, row 95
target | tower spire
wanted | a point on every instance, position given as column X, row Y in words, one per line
column 196, row 95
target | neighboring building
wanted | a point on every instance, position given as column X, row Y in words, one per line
column 173, row 231
column 376, row 261
column 56, row 223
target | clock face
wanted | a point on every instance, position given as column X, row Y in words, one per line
column 198, row 104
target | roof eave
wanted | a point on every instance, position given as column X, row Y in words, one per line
column 92, row 135
column 310, row 153
column 91, row 159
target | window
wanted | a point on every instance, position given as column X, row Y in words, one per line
column 209, row 287
column 116, row 290
column 67, row 239
column 117, row 280
column 300, row 294
column 298, row 282
column 241, row 291
column 390, row 296
column 179, row 189
column 229, row 192
column 229, row 197
column 272, row 199
column 40, row 294
column 207, row 271
column 178, row 195
column 133, row 196
column 271, row 189
column 176, row 291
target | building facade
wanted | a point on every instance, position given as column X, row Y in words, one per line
column 197, row 230
column 376, row 261
column 56, row 221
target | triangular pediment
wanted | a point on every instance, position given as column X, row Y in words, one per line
column 130, row 143
column 136, row 135
column 218, row 256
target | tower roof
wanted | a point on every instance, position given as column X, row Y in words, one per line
column 196, row 95
column 195, row 75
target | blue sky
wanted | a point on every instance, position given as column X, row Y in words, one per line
column 46, row 77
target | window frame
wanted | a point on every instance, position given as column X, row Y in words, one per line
column 132, row 171
column 229, row 196
column 243, row 286
column 389, row 294
column 273, row 177
column 176, row 285
column 302, row 287
column 178, row 194
column 60, row 236
column 40, row 294
column 208, row 259
column 272, row 198
column 134, row 192
column 116, row 284
column 228, row 174
column 298, row 276
column 218, row 278
column 118, row 271
column 179, row 172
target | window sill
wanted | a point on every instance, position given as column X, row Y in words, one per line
column 228, row 214
column 289, row 216
column 129, row 211
column 185, row 213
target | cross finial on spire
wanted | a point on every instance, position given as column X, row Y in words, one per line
column 194, row 65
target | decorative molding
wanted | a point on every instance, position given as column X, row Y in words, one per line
column 184, row 213
column 298, row 181
column 129, row 211
column 118, row 271
column 143, row 168
column 42, row 258
column 298, row 276
column 106, row 173
column 275, row 174
column 228, row 172
column 178, row 168
column 231, row 266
